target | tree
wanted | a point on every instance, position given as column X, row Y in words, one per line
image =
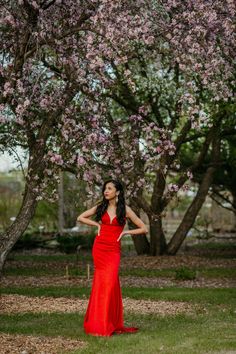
column 223, row 189
column 167, row 97
column 51, row 56
column 65, row 79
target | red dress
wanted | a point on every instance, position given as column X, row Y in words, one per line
column 104, row 315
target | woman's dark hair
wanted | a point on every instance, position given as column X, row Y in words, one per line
column 120, row 209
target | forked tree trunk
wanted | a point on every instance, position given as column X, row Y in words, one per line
column 157, row 238
column 192, row 212
column 16, row 229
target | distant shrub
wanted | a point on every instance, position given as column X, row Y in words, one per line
column 69, row 243
column 65, row 243
column 185, row 273
column 28, row 241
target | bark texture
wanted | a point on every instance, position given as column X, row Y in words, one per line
column 13, row 233
column 191, row 213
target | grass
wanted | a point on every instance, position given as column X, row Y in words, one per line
column 55, row 265
column 39, row 272
column 194, row 295
column 138, row 272
column 203, row 332
column 215, row 245
column 211, row 329
column 48, row 258
column 54, row 291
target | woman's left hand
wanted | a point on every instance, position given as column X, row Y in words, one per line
column 122, row 234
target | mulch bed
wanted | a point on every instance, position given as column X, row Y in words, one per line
column 170, row 262
column 134, row 262
column 11, row 304
column 27, row 344
column 126, row 281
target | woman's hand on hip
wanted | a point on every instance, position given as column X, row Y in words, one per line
column 99, row 228
column 121, row 235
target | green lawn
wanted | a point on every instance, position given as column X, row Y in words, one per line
column 209, row 330
column 55, row 265
column 48, row 258
column 138, row 272
column 194, row 295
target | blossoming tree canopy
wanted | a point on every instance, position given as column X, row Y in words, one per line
column 206, row 32
column 112, row 86
column 55, row 56
column 59, row 61
column 56, row 62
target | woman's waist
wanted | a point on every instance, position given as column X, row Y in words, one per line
column 107, row 240
column 111, row 229
column 109, row 233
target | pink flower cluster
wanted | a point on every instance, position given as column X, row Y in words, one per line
column 55, row 158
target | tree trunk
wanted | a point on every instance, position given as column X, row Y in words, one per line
column 13, row 233
column 141, row 242
column 157, row 237
column 192, row 212
column 234, row 206
column 61, row 222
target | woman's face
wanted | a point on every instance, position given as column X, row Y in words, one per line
column 110, row 191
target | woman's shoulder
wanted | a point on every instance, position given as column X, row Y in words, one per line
column 97, row 205
column 127, row 210
column 92, row 210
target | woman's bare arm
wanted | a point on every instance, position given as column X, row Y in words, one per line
column 84, row 218
column 142, row 229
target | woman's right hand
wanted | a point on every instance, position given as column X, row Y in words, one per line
column 99, row 228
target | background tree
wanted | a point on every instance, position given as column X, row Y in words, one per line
column 223, row 189
column 167, row 97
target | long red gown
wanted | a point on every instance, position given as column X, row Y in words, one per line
column 104, row 315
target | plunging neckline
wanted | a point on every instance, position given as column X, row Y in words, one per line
column 110, row 217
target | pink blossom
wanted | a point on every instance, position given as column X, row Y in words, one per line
column 189, row 174
column 44, row 103
column 7, row 89
column 143, row 110
column 26, row 103
column 185, row 187
column 57, row 159
column 2, row 119
column 173, row 187
column 80, row 161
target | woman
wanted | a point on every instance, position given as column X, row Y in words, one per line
column 104, row 315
